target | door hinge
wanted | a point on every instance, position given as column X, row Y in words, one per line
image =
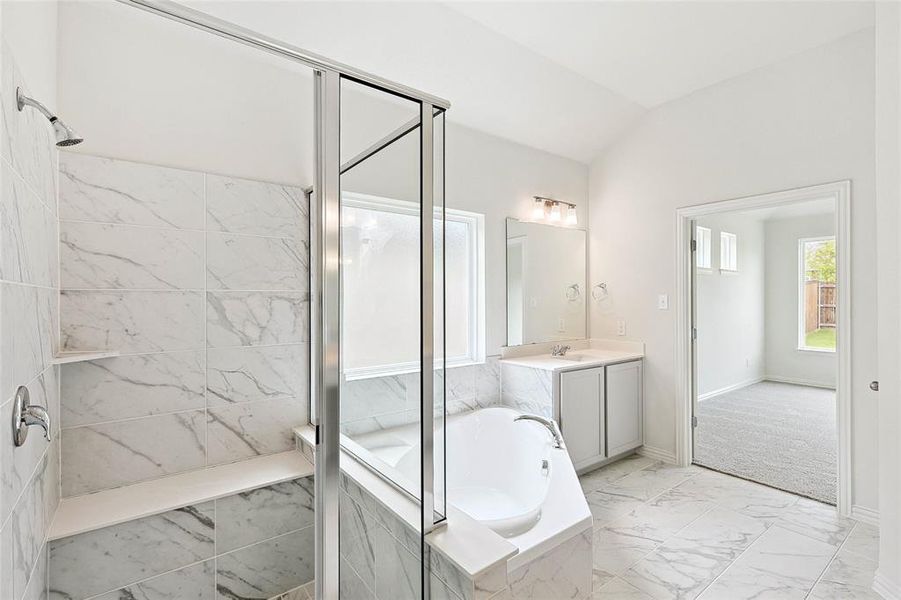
column 694, row 421
column 694, row 245
column 694, row 333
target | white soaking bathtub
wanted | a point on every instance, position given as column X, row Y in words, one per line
column 504, row 474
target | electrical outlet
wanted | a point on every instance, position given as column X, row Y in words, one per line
column 620, row 327
column 663, row 301
column 561, row 325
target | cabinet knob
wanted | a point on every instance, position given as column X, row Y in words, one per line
column 874, row 385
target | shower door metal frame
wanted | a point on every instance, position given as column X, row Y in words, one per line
column 325, row 254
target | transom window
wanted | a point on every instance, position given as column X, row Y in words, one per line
column 702, row 248
column 381, row 272
column 728, row 251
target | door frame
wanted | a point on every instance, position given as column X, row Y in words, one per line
column 840, row 193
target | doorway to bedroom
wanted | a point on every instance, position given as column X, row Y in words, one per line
column 766, row 306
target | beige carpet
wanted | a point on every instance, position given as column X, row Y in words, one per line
column 777, row 434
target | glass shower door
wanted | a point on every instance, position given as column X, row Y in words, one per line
column 383, row 350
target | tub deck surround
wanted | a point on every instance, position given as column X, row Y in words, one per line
column 550, row 560
column 81, row 514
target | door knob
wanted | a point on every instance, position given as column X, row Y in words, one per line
column 874, row 385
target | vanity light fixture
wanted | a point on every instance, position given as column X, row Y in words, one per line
column 554, row 216
column 548, row 209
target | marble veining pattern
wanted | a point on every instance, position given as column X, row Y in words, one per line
column 104, row 190
column 117, row 453
column 257, row 318
column 266, row 569
column 663, row 533
column 256, row 515
column 131, row 321
column 257, row 208
column 100, row 256
column 252, row 429
column 237, row 375
column 123, row 554
column 201, row 282
column 526, row 389
column 234, row 263
column 132, row 386
column 27, row 229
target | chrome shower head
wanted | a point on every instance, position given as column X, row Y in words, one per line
column 64, row 134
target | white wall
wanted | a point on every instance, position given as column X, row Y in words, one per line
column 803, row 121
column 784, row 362
column 29, row 30
column 888, row 158
column 730, row 308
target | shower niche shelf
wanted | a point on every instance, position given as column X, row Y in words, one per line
column 64, row 358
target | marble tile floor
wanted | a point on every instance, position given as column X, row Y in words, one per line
column 663, row 532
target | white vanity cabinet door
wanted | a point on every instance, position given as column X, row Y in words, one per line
column 581, row 414
column 624, row 391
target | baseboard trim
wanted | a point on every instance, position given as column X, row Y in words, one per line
column 882, row 585
column 865, row 515
column 729, row 388
column 793, row 381
column 658, row 454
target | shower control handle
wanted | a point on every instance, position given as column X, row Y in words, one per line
column 26, row 414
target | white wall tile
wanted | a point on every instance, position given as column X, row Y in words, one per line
column 113, row 454
column 116, row 191
column 27, row 229
column 256, row 515
column 247, row 374
column 27, row 322
column 131, row 321
column 254, row 207
column 96, row 256
column 268, row 568
column 132, row 386
column 251, row 429
column 240, row 262
column 257, row 318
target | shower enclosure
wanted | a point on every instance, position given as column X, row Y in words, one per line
column 206, row 287
column 385, row 142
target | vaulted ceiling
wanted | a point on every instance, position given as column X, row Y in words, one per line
column 564, row 77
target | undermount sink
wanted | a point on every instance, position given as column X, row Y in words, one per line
column 570, row 357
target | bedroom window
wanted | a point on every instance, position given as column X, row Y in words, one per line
column 816, row 323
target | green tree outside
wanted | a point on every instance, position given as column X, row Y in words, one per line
column 820, row 261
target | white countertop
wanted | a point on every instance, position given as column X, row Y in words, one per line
column 575, row 359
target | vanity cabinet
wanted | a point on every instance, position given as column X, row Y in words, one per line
column 600, row 411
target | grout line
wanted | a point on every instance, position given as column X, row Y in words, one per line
column 176, row 290
column 169, row 228
column 206, row 342
column 831, row 560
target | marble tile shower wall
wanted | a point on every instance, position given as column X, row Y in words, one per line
column 201, row 283
column 255, row 545
column 29, row 484
column 377, row 403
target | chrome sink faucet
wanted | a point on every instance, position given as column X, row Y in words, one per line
column 560, row 350
column 550, row 424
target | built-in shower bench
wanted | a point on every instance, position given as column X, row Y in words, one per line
column 89, row 512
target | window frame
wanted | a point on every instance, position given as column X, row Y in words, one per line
column 727, row 236
column 700, row 247
column 476, row 224
column 802, row 275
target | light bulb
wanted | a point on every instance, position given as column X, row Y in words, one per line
column 538, row 209
column 571, row 218
column 555, row 212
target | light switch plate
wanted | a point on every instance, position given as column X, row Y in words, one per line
column 620, row 327
column 663, row 301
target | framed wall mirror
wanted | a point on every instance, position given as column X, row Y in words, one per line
column 546, row 283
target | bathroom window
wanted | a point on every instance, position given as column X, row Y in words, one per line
column 728, row 251
column 702, row 254
column 380, row 255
